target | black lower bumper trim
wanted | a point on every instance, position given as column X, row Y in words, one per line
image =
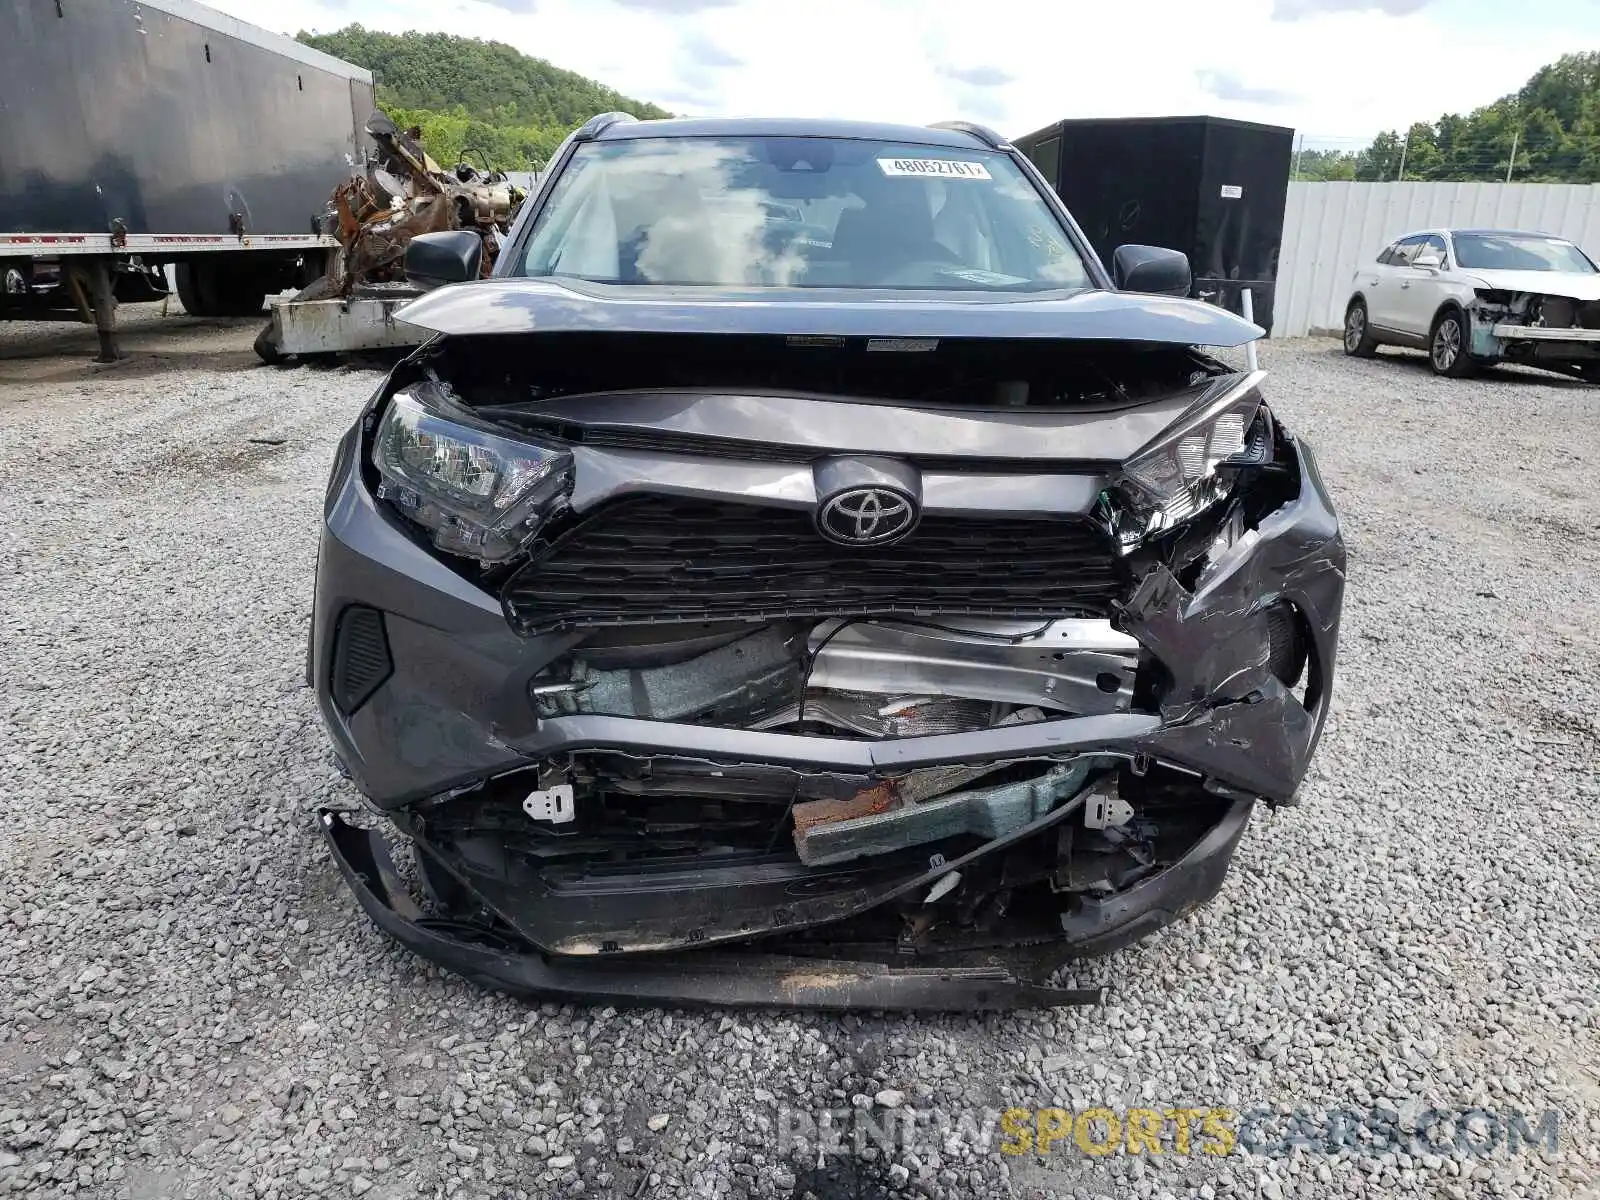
column 1101, row 925
column 712, row 978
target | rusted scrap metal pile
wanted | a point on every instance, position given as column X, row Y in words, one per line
column 373, row 215
column 405, row 193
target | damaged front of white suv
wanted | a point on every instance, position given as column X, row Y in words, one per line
column 805, row 649
column 1535, row 300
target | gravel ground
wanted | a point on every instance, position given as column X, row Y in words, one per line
column 191, row 1004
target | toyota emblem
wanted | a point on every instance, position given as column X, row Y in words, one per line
column 867, row 516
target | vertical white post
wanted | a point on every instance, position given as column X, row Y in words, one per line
column 1298, row 151
column 1404, row 146
column 1515, row 134
column 1247, row 302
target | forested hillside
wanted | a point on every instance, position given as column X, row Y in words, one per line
column 473, row 96
column 1552, row 124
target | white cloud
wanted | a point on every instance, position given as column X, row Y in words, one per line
column 1225, row 85
column 1296, row 10
column 1330, row 68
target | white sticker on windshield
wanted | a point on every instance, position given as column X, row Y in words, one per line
column 936, row 168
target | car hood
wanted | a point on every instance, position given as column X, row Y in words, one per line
column 515, row 305
column 1544, row 283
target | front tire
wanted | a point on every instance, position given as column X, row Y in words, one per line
column 1358, row 340
column 1448, row 346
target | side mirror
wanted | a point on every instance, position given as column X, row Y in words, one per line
column 1152, row 269
column 1428, row 262
column 435, row 259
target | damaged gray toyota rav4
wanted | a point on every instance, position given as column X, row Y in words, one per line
column 801, row 575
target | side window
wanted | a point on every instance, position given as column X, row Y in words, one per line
column 1406, row 249
column 1387, row 257
column 1434, row 244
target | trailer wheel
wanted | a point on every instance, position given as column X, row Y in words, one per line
column 195, row 290
column 237, row 285
column 209, row 289
column 241, row 297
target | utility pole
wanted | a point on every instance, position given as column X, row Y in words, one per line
column 1298, row 151
column 1510, row 166
column 1404, row 146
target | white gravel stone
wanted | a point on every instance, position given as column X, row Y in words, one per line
column 1422, row 932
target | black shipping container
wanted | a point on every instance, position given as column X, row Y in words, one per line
column 166, row 117
column 1208, row 186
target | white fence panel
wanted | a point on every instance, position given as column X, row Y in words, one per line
column 528, row 181
column 1331, row 228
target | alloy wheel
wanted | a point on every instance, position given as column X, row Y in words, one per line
column 1446, row 344
column 1355, row 327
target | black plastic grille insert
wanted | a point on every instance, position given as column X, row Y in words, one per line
column 361, row 659
column 656, row 558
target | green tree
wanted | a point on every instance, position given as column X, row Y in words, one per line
column 1322, row 165
column 469, row 94
column 1380, row 162
column 1422, row 156
column 1551, row 124
column 1562, row 86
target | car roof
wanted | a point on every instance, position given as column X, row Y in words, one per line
column 1480, row 233
column 1508, row 233
column 924, row 135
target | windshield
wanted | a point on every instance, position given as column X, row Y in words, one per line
column 1520, row 252
column 799, row 212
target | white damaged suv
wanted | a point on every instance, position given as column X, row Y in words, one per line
column 1472, row 297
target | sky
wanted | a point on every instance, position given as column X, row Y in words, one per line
column 1336, row 70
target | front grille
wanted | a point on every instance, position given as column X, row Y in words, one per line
column 649, row 559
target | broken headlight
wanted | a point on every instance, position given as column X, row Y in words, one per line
column 477, row 491
column 1188, row 468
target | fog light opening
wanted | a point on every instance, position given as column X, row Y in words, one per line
column 1288, row 651
column 361, row 660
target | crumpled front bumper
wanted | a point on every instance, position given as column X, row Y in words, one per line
column 699, row 977
column 747, row 977
column 455, row 711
